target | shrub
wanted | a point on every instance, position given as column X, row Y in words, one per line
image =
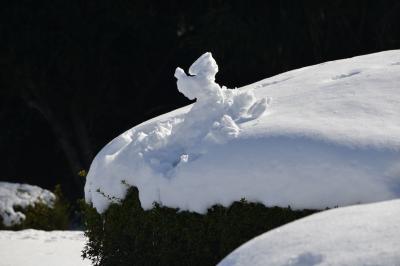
column 128, row 235
column 43, row 217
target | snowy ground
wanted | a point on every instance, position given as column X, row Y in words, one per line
column 357, row 235
column 40, row 248
column 21, row 195
column 321, row 136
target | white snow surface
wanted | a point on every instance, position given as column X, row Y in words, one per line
column 357, row 235
column 320, row 136
column 41, row 248
column 22, row 195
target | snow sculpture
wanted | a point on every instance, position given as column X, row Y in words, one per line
column 201, row 84
column 217, row 109
column 213, row 118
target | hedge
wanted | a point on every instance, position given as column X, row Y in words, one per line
column 128, row 235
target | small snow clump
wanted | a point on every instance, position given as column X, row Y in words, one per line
column 21, row 195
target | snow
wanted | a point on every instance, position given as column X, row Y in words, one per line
column 321, row 136
column 22, row 195
column 35, row 247
column 357, row 235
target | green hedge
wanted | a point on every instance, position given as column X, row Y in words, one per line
column 128, row 235
column 42, row 216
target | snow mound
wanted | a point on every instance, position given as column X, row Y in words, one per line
column 357, row 235
column 44, row 248
column 22, row 195
column 330, row 138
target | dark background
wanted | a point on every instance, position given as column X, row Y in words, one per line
column 77, row 73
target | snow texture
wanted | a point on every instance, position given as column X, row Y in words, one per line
column 330, row 137
column 35, row 247
column 357, row 235
column 22, row 195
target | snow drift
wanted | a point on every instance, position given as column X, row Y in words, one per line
column 21, row 195
column 357, row 235
column 329, row 137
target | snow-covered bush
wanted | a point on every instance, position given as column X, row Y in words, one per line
column 330, row 138
column 126, row 234
column 162, row 228
column 25, row 206
column 141, row 231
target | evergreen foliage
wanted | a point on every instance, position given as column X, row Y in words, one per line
column 128, row 235
column 43, row 217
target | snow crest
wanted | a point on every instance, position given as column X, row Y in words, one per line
column 21, row 195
